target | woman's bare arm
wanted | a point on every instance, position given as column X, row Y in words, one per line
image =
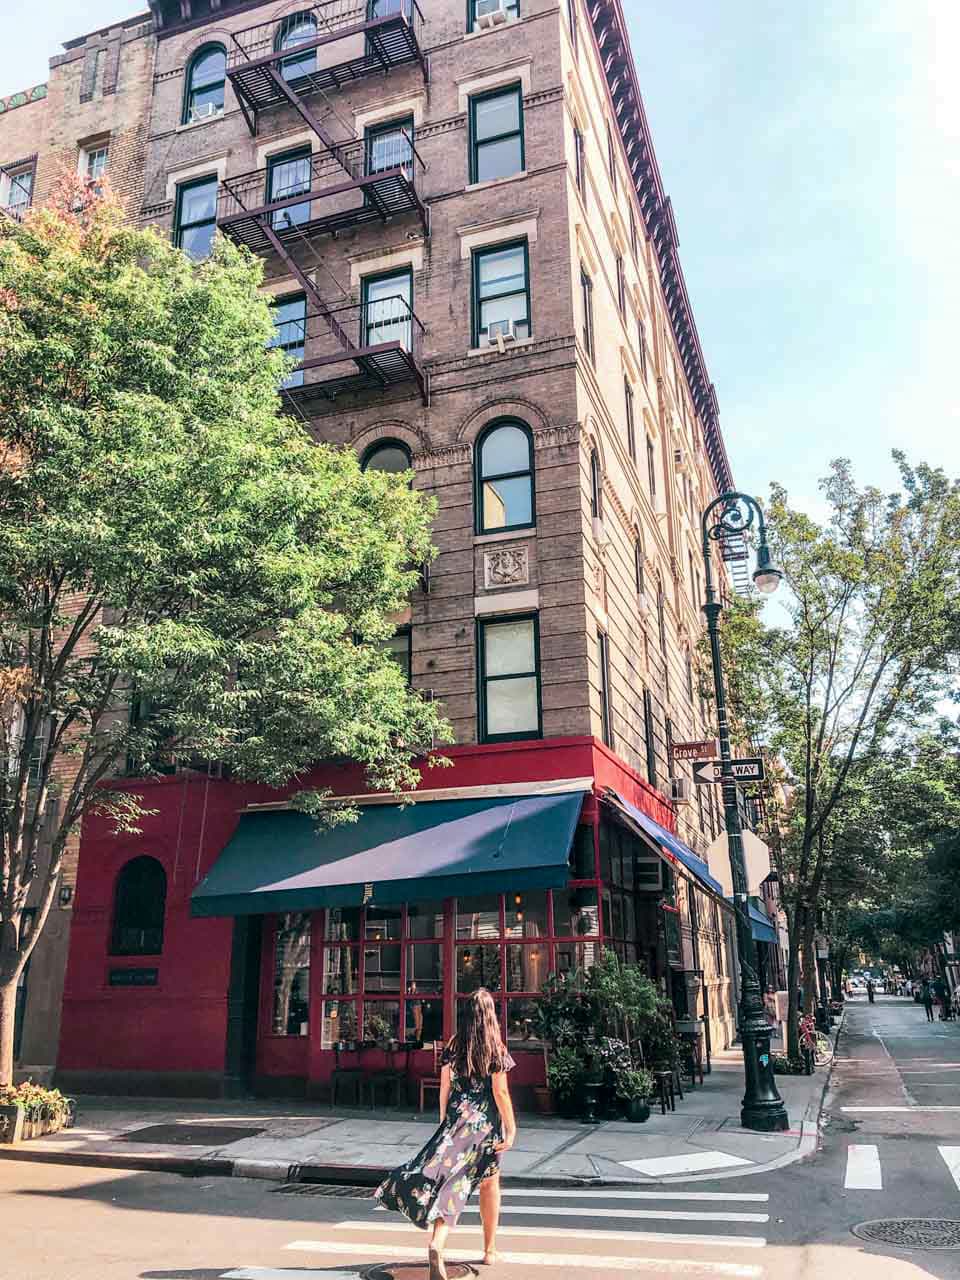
column 444, row 1091
column 501, row 1096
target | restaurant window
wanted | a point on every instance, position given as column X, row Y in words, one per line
column 628, row 409
column 502, row 944
column 586, row 304
column 505, row 483
column 290, row 332
column 297, row 29
column 603, row 662
column 205, row 84
column 139, row 906
column 291, row 975
column 580, row 163
column 509, row 670
column 386, row 455
column 289, row 174
column 195, row 219
column 496, row 134
column 501, row 291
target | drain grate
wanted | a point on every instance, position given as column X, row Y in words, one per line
column 912, row 1233
column 334, row 1191
column 415, row 1271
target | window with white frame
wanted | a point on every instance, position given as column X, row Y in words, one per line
column 93, row 161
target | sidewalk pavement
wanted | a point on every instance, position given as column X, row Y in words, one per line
column 309, row 1142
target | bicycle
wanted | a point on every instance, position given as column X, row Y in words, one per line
column 814, row 1045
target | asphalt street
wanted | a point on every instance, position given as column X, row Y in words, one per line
column 900, row 1159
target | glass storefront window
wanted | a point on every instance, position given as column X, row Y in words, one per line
column 527, row 965
column 576, row 955
column 525, row 914
column 478, row 966
column 383, row 923
column 381, row 968
column 424, row 968
column 424, row 1021
column 291, row 975
column 582, row 862
column 343, row 924
column 341, row 971
column 381, row 1020
column 605, row 831
column 616, row 915
column 339, row 1023
column 521, row 1020
column 479, row 917
column 425, row 920
column 575, row 913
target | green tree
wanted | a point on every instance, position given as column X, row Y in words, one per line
column 857, row 651
column 170, row 539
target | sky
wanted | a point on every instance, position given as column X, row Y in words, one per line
column 812, row 154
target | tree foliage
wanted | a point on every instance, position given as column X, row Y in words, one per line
column 170, row 540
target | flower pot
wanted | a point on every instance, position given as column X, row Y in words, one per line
column 543, row 1097
column 591, row 1091
column 637, row 1110
column 568, row 1105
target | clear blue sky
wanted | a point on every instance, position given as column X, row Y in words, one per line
column 813, row 156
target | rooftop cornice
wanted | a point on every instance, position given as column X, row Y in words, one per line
column 619, row 68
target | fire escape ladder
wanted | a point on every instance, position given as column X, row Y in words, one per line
column 309, row 288
column 308, row 117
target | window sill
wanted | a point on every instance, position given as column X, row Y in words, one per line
column 505, row 535
column 512, row 20
column 495, row 182
column 198, row 124
column 494, row 350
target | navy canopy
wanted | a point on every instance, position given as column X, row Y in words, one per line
column 761, row 925
column 667, row 842
column 280, row 860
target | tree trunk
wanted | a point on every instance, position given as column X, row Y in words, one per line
column 8, row 1009
column 809, row 961
column 793, row 975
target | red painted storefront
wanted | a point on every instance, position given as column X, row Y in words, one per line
column 184, row 1022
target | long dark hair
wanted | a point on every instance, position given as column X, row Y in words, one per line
column 477, row 1048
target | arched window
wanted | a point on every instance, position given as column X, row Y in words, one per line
column 689, row 678
column 638, row 558
column 661, row 620
column 596, row 486
column 206, row 77
column 504, row 470
column 387, row 455
column 297, row 29
column 139, row 904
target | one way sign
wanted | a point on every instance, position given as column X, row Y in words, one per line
column 748, row 770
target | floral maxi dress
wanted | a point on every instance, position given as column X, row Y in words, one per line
column 439, row 1180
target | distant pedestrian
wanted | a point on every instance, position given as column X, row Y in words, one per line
column 871, row 989
column 926, row 995
column 943, row 997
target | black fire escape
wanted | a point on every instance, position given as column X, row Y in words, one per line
column 292, row 61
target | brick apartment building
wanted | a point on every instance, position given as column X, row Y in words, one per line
column 471, row 254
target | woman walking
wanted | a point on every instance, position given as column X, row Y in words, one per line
column 477, row 1126
column 926, row 995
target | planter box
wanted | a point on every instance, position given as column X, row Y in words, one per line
column 15, row 1127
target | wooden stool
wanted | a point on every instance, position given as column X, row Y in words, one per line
column 352, row 1077
column 665, row 1091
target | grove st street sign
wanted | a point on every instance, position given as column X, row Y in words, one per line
column 695, row 750
column 747, row 770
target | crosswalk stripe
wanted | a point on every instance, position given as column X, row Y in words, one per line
column 863, row 1168
column 574, row 1211
column 586, row 1194
column 951, row 1158
column 588, row 1261
column 580, row 1233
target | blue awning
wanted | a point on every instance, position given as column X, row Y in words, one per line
column 279, row 860
column 667, row 842
column 761, row 926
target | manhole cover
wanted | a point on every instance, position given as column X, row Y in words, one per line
column 192, row 1135
column 912, row 1233
column 325, row 1189
column 415, row 1271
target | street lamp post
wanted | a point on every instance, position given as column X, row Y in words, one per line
column 762, row 1108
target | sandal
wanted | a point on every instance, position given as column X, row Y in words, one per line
column 437, row 1269
column 490, row 1258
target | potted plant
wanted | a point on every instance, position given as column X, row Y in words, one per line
column 634, row 1086
column 377, row 1029
column 591, row 1089
column 565, row 1073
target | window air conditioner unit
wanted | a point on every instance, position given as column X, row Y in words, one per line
column 643, row 603
column 490, row 13
column 599, row 534
column 680, row 459
column 681, row 790
column 500, row 332
column 204, row 111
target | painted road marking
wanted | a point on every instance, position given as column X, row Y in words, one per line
column 863, row 1168
column 951, row 1158
column 588, row 1261
column 584, row 1233
column 686, row 1163
column 674, row 1215
column 584, row 1194
column 890, row 1110
column 285, row 1273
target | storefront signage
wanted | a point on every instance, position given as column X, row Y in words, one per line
column 133, row 977
column 696, row 750
column 747, row 770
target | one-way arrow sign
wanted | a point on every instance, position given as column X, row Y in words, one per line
column 748, row 770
